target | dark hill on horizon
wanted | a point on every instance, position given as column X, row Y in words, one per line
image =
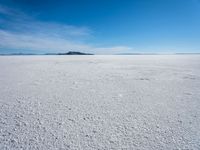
column 68, row 53
column 74, row 53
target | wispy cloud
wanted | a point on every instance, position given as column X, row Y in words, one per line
column 37, row 42
column 20, row 31
column 20, row 22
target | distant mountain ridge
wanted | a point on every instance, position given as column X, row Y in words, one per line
column 74, row 53
column 68, row 53
column 81, row 53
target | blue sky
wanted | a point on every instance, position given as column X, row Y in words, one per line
column 100, row 26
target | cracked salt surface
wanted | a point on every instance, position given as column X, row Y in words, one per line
column 100, row 102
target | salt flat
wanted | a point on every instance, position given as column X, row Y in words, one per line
column 100, row 102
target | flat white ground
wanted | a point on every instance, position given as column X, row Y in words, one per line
column 100, row 102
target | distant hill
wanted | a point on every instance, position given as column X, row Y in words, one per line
column 68, row 53
column 74, row 53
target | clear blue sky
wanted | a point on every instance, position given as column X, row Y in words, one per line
column 100, row 26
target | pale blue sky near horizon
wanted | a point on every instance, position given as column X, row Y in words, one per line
column 100, row 26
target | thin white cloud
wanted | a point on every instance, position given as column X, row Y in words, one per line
column 20, row 22
column 11, row 40
column 23, row 32
column 36, row 42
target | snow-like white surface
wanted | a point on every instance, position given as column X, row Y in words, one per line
column 100, row 102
